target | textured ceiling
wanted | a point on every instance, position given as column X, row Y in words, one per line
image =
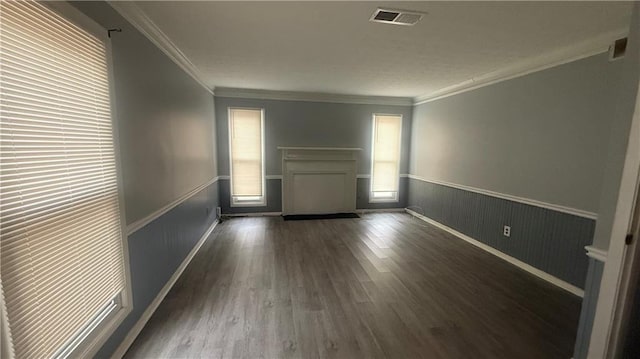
column 332, row 47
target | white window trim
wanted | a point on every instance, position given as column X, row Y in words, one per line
column 102, row 332
column 396, row 197
column 233, row 202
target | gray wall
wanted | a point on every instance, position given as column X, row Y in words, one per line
column 165, row 120
column 302, row 123
column 167, row 144
column 624, row 93
column 542, row 136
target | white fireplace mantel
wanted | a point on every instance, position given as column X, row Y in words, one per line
column 319, row 180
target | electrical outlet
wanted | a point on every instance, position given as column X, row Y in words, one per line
column 506, row 231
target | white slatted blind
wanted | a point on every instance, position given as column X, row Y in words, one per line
column 61, row 242
column 386, row 155
column 246, row 152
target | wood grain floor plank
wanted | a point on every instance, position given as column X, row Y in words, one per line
column 381, row 286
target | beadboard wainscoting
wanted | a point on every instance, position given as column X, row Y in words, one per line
column 588, row 310
column 158, row 251
column 549, row 240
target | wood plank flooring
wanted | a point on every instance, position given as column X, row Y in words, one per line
column 386, row 285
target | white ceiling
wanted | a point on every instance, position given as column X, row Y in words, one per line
column 332, row 47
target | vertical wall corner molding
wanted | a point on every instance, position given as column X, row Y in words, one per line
column 516, row 262
column 596, row 253
column 134, row 15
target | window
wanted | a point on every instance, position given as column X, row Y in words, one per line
column 61, row 250
column 246, row 143
column 385, row 157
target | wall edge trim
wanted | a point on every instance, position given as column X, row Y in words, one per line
column 542, row 62
column 253, row 214
column 528, row 201
column 135, row 226
column 146, row 315
column 311, row 97
column 379, row 210
column 514, row 261
column 596, row 253
column 134, row 15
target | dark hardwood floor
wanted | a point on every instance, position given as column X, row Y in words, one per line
column 386, row 285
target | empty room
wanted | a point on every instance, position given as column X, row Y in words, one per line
column 319, row 179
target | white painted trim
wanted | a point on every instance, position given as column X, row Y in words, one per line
column 379, row 210
column 518, row 263
column 559, row 57
column 596, row 253
column 133, row 14
column 279, row 177
column 253, row 214
column 133, row 227
column 604, row 332
column 531, row 202
column 311, row 97
column 144, row 318
column 321, row 148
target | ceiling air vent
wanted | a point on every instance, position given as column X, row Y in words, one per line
column 617, row 49
column 398, row 17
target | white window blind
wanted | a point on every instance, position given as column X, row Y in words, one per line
column 385, row 157
column 245, row 136
column 61, row 237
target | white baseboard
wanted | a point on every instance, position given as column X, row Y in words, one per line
column 253, row 214
column 137, row 328
column 378, row 210
column 518, row 263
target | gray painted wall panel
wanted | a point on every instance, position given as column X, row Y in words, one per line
column 548, row 240
column 588, row 310
column 541, row 136
column 157, row 250
column 165, row 119
column 274, row 198
column 362, row 195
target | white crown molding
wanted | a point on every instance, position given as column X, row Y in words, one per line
column 596, row 253
column 545, row 61
column 518, row 263
column 132, row 13
column 312, row 97
column 529, row 201
column 133, row 227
